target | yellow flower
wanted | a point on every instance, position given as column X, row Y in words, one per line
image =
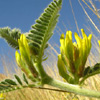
column 24, row 48
column 74, row 55
column 18, row 58
column 99, row 42
column 2, row 97
column 62, row 68
column 24, row 59
column 22, row 64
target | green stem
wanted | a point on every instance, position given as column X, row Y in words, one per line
column 42, row 73
column 65, row 86
column 76, row 79
column 73, row 88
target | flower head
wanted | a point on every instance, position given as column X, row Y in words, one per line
column 74, row 55
column 2, row 97
column 24, row 59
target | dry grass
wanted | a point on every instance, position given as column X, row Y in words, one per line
column 2, row 76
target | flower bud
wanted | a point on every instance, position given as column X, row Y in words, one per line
column 75, row 53
column 25, row 59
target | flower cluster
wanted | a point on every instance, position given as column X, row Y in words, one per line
column 24, row 59
column 2, row 96
column 74, row 55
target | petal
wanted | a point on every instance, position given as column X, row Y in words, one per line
column 70, row 35
column 86, row 43
column 61, row 63
column 75, row 44
column 25, row 43
column 99, row 42
column 84, row 49
column 18, row 57
column 22, row 64
column 62, row 47
column 90, row 37
column 80, row 51
column 21, row 37
column 78, row 39
column 24, row 47
column 62, row 68
column 89, row 42
column 76, row 51
column 62, row 36
column 70, row 50
column 66, row 44
column 83, row 33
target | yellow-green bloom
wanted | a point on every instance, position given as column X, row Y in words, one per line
column 2, row 97
column 99, row 42
column 74, row 55
column 24, row 59
column 24, row 48
column 22, row 64
column 62, row 68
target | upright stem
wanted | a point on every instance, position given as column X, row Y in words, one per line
column 42, row 73
column 76, row 79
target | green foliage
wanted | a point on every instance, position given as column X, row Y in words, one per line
column 10, row 82
column 90, row 71
column 25, row 79
column 10, row 85
column 11, row 36
column 18, row 80
column 43, row 29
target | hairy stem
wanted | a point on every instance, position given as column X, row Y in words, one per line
column 42, row 73
column 74, row 88
column 65, row 86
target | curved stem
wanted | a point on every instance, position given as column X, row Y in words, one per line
column 65, row 86
column 74, row 89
